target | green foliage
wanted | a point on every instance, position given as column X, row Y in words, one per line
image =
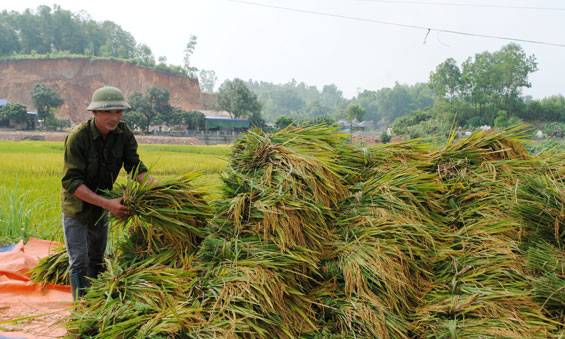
column 154, row 106
column 298, row 101
column 550, row 129
column 194, row 120
column 402, row 124
column 135, row 120
column 355, row 112
column 484, row 85
column 207, row 80
column 52, row 33
column 546, row 109
column 446, row 80
column 234, row 97
column 501, row 119
column 475, row 122
column 15, row 112
column 283, row 122
column 188, row 51
column 321, row 119
column 54, row 29
column 385, row 137
column 54, row 123
column 45, row 99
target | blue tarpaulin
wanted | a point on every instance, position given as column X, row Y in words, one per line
column 7, row 249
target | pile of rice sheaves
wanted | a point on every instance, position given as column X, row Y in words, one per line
column 315, row 238
column 150, row 275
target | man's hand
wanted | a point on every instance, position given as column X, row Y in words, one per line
column 141, row 176
column 115, row 207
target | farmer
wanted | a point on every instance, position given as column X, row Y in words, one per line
column 95, row 151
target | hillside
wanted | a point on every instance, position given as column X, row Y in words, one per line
column 76, row 78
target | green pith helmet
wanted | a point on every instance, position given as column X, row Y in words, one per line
column 108, row 99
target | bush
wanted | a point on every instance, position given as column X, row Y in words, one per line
column 475, row 122
column 385, row 137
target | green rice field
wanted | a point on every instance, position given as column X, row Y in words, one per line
column 30, row 174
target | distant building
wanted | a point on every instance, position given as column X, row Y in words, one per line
column 32, row 119
column 4, row 123
column 223, row 121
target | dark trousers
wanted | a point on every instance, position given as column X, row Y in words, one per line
column 86, row 244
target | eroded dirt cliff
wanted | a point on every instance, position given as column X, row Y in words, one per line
column 75, row 79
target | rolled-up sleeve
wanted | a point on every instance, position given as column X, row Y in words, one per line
column 74, row 169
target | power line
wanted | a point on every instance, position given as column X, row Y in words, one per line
column 466, row 5
column 397, row 24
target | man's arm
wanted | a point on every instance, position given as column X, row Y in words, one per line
column 114, row 206
column 141, row 176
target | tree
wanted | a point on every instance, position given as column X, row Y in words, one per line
column 501, row 119
column 52, row 122
column 154, row 106
column 385, row 137
column 45, row 99
column 188, row 51
column 135, row 120
column 15, row 112
column 145, row 56
column 238, row 100
column 289, row 99
column 354, row 111
column 513, row 68
column 324, row 119
column 283, row 122
column 315, row 109
column 207, row 81
column 194, row 120
column 119, row 42
column 485, row 84
column 368, row 100
column 9, row 42
column 446, row 81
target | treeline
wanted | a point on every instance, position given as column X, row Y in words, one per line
column 485, row 89
column 56, row 32
column 301, row 102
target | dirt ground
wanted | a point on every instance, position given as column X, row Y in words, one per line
column 37, row 321
column 370, row 141
column 12, row 135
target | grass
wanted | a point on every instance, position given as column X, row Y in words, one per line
column 31, row 174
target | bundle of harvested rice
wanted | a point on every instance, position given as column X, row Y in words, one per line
column 480, row 285
column 540, row 203
column 53, row 269
column 547, row 263
column 144, row 291
column 168, row 217
column 274, row 222
column 141, row 301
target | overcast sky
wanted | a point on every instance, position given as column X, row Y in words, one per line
column 344, row 45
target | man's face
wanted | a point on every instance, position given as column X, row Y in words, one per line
column 107, row 121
